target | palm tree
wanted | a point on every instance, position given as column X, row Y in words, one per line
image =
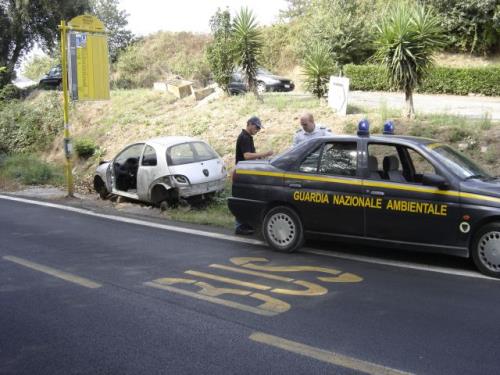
column 407, row 37
column 317, row 67
column 247, row 46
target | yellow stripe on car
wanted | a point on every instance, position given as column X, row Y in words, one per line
column 369, row 183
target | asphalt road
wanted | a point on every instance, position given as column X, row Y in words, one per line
column 82, row 294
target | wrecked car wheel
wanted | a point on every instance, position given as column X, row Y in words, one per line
column 100, row 188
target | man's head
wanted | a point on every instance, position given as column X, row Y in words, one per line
column 307, row 122
column 254, row 125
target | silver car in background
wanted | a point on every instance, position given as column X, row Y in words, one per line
column 162, row 171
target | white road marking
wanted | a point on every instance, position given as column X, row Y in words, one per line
column 333, row 254
column 324, row 355
column 54, row 272
column 400, row 264
column 172, row 228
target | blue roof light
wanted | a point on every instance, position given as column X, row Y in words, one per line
column 389, row 127
column 364, row 128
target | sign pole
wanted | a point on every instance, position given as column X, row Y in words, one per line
column 67, row 139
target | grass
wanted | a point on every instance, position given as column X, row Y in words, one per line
column 215, row 213
column 28, row 169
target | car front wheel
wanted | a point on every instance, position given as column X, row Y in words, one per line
column 283, row 230
column 486, row 249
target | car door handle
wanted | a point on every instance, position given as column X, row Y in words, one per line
column 295, row 186
column 375, row 192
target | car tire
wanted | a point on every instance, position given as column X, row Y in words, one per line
column 100, row 188
column 283, row 230
column 485, row 249
column 261, row 87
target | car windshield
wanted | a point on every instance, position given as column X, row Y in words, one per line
column 190, row 152
column 458, row 163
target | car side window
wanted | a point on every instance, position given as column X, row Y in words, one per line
column 132, row 152
column 384, row 162
column 310, row 163
column 339, row 158
column 421, row 165
column 149, row 156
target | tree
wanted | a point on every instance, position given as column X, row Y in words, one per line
column 115, row 21
column 317, row 67
column 345, row 26
column 37, row 66
column 407, row 37
column 25, row 23
column 219, row 51
column 247, row 46
column 471, row 26
column 295, row 9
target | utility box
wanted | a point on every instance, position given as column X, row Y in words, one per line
column 160, row 86
column 203, row 93
column 180, row 88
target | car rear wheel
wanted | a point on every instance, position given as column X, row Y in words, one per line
column 283, row 230
column 486, row 249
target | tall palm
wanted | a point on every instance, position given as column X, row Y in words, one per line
column 317, row 68
column 247, row 46
column 406, row 39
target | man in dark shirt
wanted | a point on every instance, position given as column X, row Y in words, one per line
column 245, row 150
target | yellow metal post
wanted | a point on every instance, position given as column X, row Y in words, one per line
column 67, row 139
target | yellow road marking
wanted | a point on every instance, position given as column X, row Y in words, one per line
column 228, row 280
column 270, row 307
column 53, row 272
column 253, row 273
column 324, row 355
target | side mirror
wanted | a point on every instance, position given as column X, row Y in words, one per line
column 435, row 180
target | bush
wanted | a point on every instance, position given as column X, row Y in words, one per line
column 85, row 148
column 441, row 80
column 10, row 92
column 30, row 125
column 29, row 170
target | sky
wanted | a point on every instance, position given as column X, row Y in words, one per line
column 148, row 16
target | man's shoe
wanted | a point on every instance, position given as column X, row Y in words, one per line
column 244, row 231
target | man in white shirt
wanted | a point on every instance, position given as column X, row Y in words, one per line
column 309, row 130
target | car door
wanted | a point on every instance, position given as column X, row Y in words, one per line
column 324, row 186
column 148, row 169
column 407, row 210
column 124, row 171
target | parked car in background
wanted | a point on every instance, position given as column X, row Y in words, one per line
column 162, row 171
column 53, row 79
column 266, row 81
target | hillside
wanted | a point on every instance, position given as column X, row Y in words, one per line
column 133, row 115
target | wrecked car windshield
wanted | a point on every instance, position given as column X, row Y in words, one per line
column 191, row 152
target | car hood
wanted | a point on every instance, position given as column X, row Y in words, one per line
column 268, row 76
column 489, row 189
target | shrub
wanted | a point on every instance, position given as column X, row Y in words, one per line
column 30, row 170
column 85, row 148
column 10, row 92
column 441, row 80
column 30, row 125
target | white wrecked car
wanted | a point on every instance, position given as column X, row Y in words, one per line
column 162, row 171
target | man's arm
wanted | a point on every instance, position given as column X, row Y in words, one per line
column 256, row 155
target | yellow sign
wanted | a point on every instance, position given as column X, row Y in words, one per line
column 86, row 23
column 89, row 59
